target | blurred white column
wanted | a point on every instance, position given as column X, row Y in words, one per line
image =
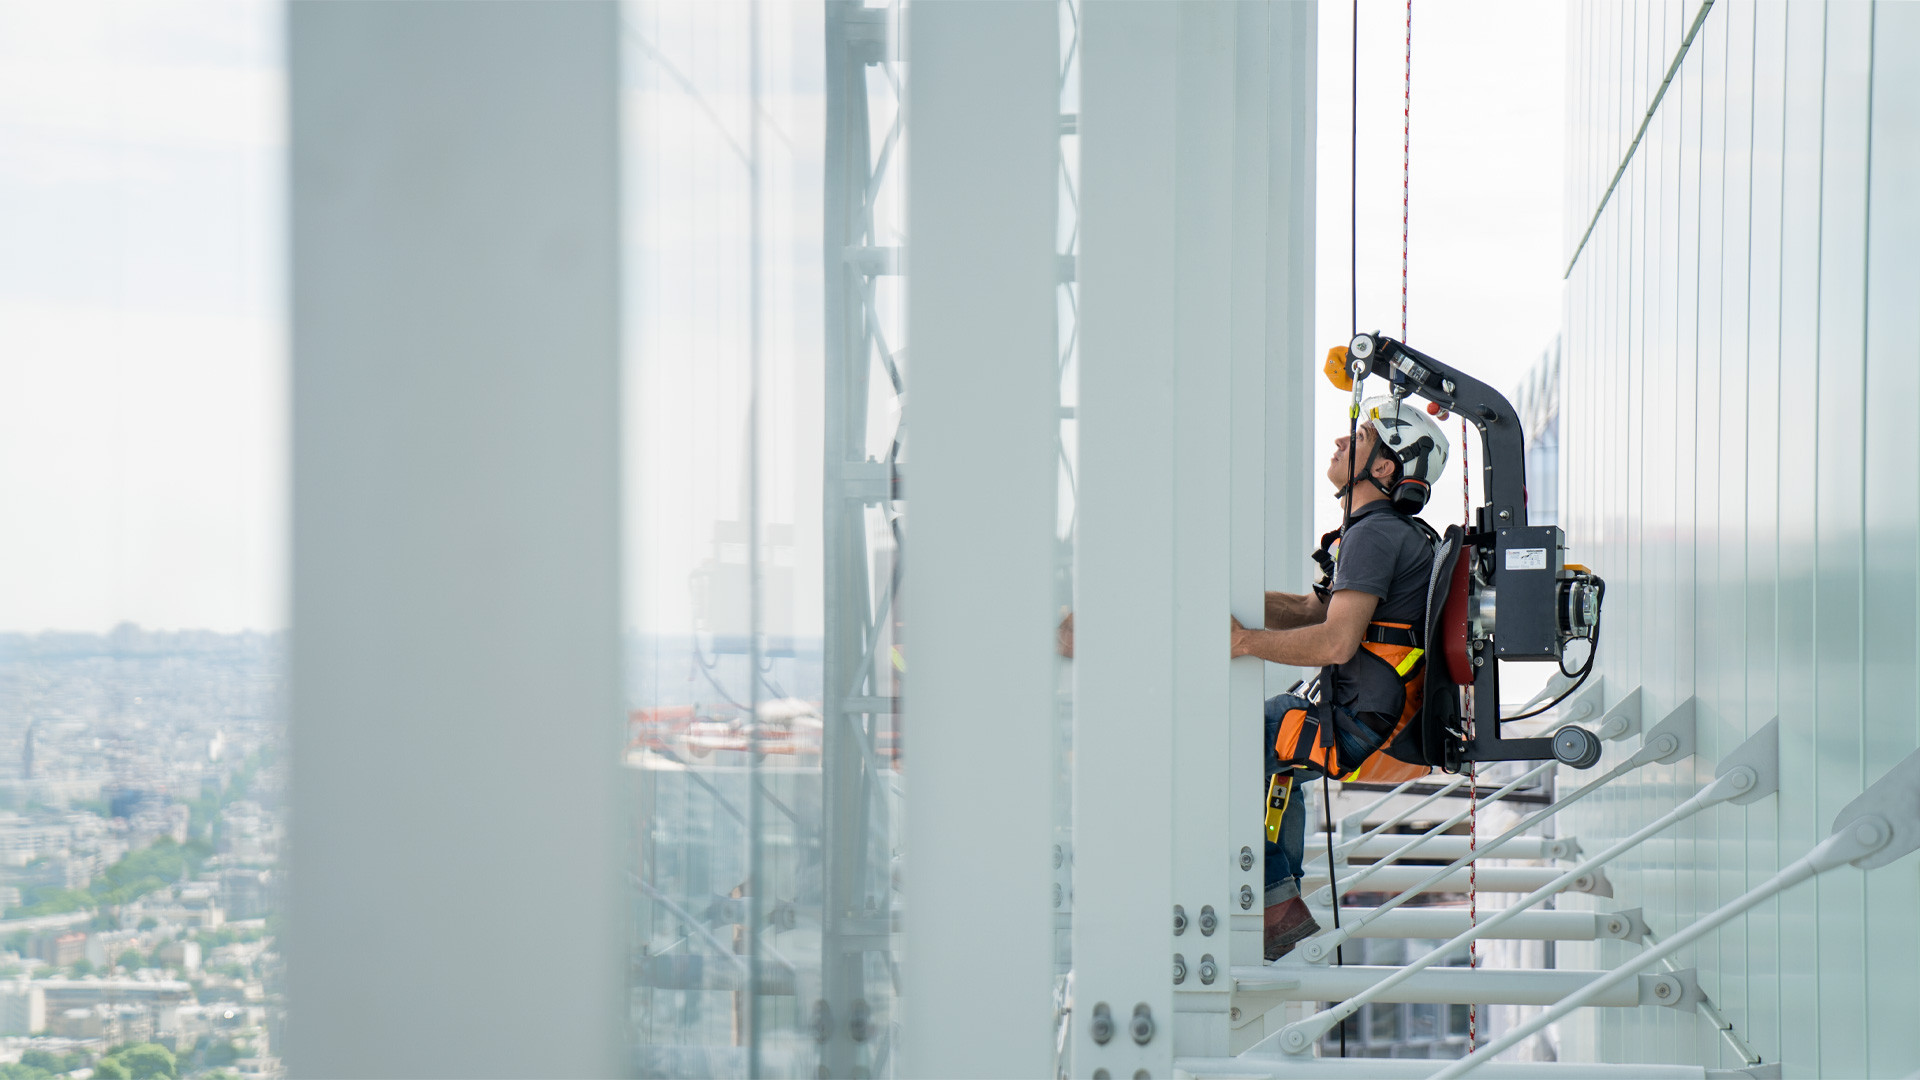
column 1124, row 703
column 983, row 104
column 454, row 908
column 1212, row 458
column 1196, row 290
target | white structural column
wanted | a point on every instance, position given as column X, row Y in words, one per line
column 1274, row 478
column 1293, row 480
column 983, row 106
column 1205, row 366
column 1124, row 578
column 1196, row 279
column 455, row 668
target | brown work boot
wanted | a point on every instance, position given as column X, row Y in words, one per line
column 1288, row 924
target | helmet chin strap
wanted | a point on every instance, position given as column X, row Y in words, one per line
column 1366, row 471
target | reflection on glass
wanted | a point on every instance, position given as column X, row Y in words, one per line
column 766, row 431
column 1067, row 315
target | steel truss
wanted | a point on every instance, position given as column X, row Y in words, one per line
column 862, row 521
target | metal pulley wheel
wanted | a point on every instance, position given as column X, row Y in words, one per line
column 1576, row 746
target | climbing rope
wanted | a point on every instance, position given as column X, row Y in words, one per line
column 1466, row 515
column 1406, row 167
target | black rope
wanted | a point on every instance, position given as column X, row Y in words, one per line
column 1353, row 430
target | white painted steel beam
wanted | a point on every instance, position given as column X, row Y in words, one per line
column 1441, row 923
column 1195, row 281
column 1207, row 578
column 1269, row 1067
column 1876, row 828
column 1124, row 583
column 456, row 664
column 1272, row 408
column 1452, row 847
column 1751, row 772
column 1420, row 879
column 983, row 105
column 1405, row 812
column 1485, row 986
column 1412, row 844
column 1670, row 740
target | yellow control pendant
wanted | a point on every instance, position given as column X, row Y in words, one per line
column 1279, row 790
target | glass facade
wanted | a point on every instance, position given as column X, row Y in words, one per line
column 1739, row 360
column 766, row 645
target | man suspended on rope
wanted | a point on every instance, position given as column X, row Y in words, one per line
column 1362, row 626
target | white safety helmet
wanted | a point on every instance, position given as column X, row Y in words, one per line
column 1415, row 443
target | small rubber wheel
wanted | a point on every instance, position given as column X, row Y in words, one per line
column 1576, row 746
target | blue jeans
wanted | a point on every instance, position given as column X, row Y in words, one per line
column 1287, row 858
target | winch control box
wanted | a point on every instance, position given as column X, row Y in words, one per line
column 1527, row 560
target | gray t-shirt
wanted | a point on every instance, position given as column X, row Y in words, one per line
column 1385, row 555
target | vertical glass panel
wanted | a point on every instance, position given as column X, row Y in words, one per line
column 765, row 422
column 1067, row 305
column 143, row 566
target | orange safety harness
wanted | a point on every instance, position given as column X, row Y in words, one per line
column 1399, row 654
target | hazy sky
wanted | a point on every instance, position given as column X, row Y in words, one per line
column 142, row 359
column 142, row 339
column 1485, row 238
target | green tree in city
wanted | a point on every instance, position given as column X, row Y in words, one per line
column 52, row 1062
column 82, row 967
column 23, row 1071
column 131, row 960
column 110, row 1068
column 148, row 1061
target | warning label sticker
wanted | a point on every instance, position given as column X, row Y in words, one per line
column 1526, row 558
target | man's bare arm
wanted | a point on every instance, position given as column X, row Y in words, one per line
column 1331, row 641
column 1285, row 611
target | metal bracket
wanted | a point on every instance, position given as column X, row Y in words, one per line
column 1584, row 706
column 1557, row 684
column 1562, row 848
column 1623, row 719
column 1594, row 883
column 1624, row 925
column 1895, row 799
column 1761, row 753
column 1679, row 724
column 1675, row 989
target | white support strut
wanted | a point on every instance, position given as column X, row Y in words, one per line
column 1347, row 883
column 1454, row 845
column 1347, row 846
column 1881, row 825
column 1440, row 923
column 1747, row 774
column 1669, row 741
column 1498, row 879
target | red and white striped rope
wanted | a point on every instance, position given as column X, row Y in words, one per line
column 1406, row 167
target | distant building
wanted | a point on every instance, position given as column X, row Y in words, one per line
column 104, row 949
column 184, row 955
column 79, row 1023
column 23, row 1008
column 61, row 948
column 246, row 893
column 65, row 994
